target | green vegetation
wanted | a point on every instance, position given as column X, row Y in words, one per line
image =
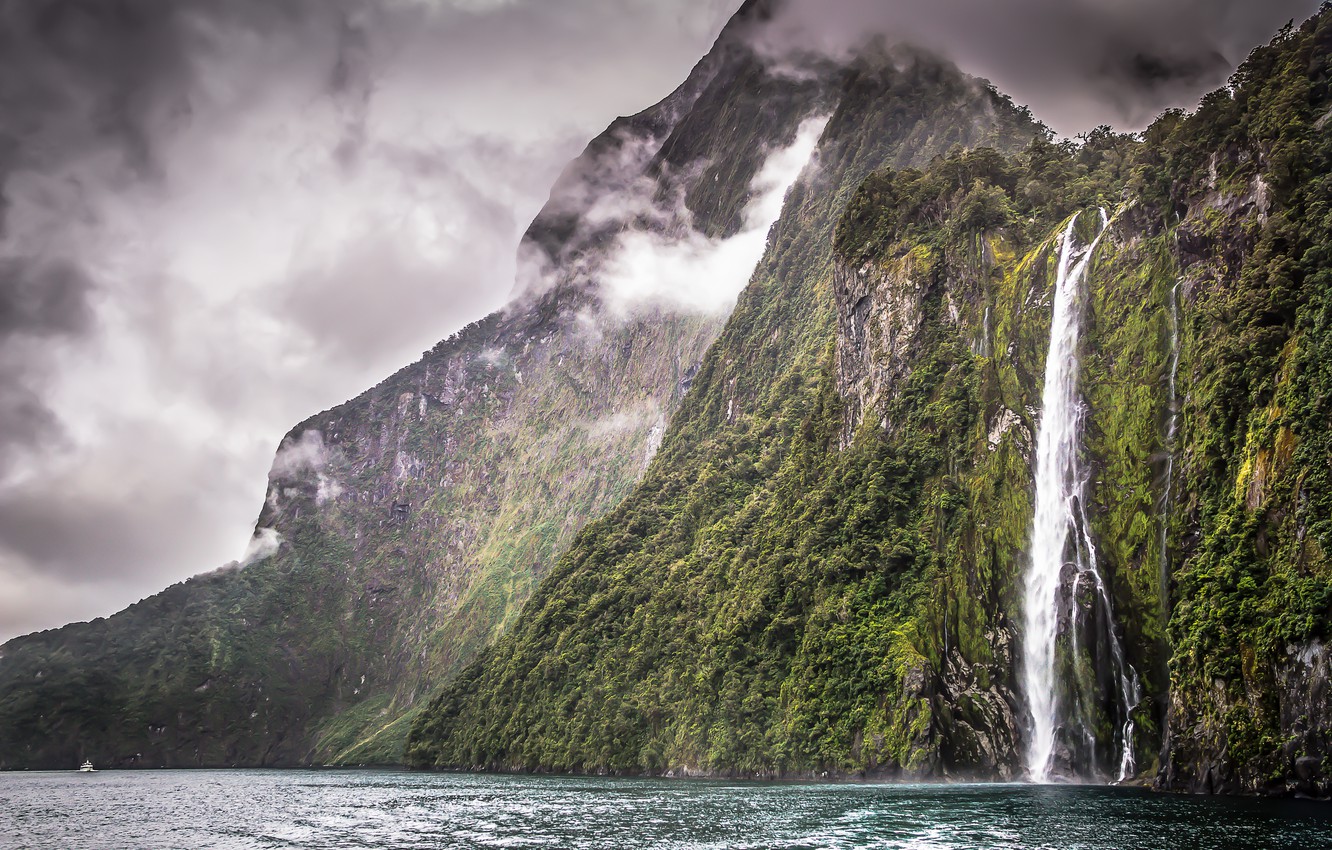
column 1254, row 586
column 756, row 605
column 819, row 571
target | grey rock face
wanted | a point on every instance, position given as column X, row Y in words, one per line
column 879, row 313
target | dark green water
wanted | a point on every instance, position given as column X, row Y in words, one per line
column 350, row 809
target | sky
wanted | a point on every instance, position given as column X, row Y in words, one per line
column 218, row 217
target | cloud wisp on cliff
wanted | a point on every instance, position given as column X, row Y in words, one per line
column 220, row 216
column 681, row 270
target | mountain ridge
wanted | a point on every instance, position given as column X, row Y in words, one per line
column 840, row 596
column 394, row 514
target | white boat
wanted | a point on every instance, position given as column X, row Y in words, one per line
column 86, row 767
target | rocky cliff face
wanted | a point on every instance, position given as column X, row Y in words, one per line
column 404, row 529
column 720, row 619
column 879, row 315
column 822, row 570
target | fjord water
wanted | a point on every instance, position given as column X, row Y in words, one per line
column 243, row 809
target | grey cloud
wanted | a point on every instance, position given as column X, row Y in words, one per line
column 87, row 535
column 40, row 302
column 43, row 298
column 25, row 420
column 1077, row 63
column 218, row 216
column 107, row 521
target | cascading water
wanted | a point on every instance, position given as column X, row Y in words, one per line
column 1172, row 424
column 1128, row 689
column 1065, row 593
column 1055, row 453
column 981, row 347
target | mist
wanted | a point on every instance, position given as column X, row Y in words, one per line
column 691, row 273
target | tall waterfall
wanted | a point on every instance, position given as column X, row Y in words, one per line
column 1071, row 686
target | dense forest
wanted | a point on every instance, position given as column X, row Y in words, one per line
column 820, row 571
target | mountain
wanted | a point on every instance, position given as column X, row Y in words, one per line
column 404, row 529
column 1010, row 461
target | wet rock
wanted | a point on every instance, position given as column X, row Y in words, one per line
column 1304, row 690
column 879, row 312
column 976, row 714
column 1309, row 769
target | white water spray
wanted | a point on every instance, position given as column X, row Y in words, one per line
column 1055, row 454
column 1061, row 519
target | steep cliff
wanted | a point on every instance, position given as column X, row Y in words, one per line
column 823, row 568
column 733, row 615
column 1251, row 533
column 802, row 542
column 403, row 529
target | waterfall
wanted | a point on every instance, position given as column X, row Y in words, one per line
column 1129, row 688
column 1172, row 424
column 1055, row 456
column 1065, row 592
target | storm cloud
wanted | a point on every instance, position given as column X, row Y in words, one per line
column 220, row 216
column 1076, row 63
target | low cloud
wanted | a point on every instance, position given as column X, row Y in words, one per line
column 1076, row 63
column 304, row 458
column 303, row 454
column 264, row 544
column 687, row 271
column 644, row 415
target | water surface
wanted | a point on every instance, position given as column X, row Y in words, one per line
column 372, row 809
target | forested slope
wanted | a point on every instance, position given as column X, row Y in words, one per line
column 406, row 527
column 821, row 570
column 686, row 629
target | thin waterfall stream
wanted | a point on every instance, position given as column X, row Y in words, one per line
column 1065, row 592
column 1172, row 425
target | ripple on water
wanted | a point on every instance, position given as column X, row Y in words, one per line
column 254, row 810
